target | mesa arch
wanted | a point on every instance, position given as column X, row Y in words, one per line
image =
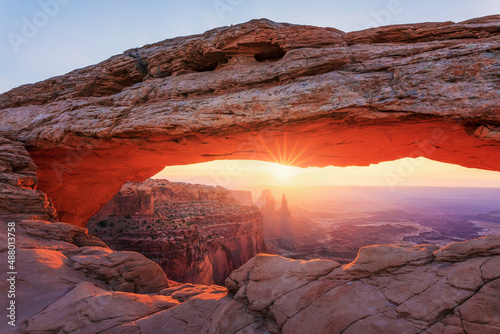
column 263, row 90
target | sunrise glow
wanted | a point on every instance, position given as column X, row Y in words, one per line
column 402, row 172
column 283, row 172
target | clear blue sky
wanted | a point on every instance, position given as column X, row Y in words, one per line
column 39, row 40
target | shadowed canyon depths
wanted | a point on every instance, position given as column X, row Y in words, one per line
column 196, row 233
column 293, row 94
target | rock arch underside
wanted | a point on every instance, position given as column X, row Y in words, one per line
column 262, row 90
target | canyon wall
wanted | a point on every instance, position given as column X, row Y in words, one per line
column 196, row 233
column 250, row 90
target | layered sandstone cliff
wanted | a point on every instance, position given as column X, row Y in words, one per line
column 19, row 198
column 196, row 233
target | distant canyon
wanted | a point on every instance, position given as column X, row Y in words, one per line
column 196, row 233
column 200, row 234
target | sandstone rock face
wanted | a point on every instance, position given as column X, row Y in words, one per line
column 75, row 293
column 249, row 90
column 63, row 270
column 18, row 182
column 101, row 310
column 417, row 292
column 458, row 251
column 196, row 233
column 373, row 259
column 242, row 196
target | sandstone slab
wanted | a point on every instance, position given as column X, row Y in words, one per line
column 489, row 245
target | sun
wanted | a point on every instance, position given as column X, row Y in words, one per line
column 282, row 172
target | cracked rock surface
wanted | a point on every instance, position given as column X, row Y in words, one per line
column 394, row 295
column 64, row 287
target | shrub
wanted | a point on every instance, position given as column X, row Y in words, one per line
column 103, row 223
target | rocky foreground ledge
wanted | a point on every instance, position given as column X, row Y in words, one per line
column 70, row 282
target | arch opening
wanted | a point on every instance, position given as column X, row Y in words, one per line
column 209, row 218
column 81, row 174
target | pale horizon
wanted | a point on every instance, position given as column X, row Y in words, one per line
column 410, row 172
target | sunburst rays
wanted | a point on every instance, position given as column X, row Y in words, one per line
column 286, row 151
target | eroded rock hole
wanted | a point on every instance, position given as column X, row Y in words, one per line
column 261, row 51
column 274, row 53
column 210, row 63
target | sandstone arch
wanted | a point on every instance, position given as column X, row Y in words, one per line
column 263, row 90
